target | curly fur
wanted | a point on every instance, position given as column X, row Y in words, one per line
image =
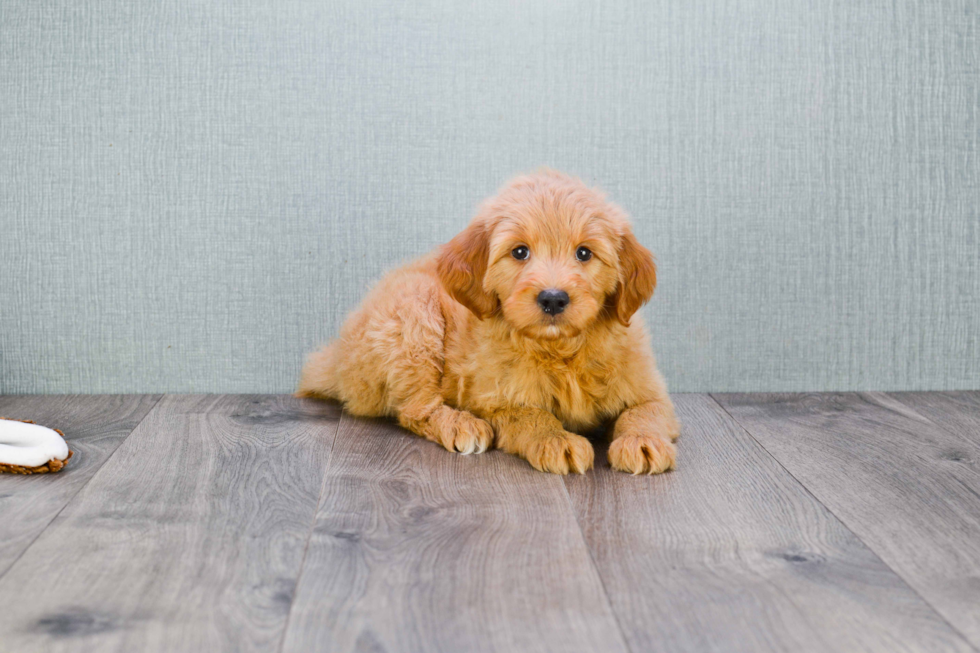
column 456, row 348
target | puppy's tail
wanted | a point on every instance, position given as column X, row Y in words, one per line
column 320, row 375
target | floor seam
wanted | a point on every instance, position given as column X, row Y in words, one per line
column 595, row 567
column 309, row 535
column 79, row 491
column 844, row 524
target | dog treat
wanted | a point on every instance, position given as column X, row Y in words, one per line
column 29, row 448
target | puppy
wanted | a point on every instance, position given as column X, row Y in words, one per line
column 519, row 333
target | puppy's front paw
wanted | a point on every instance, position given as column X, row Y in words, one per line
column 560, row 453
column 642, row 454
column 469, row 434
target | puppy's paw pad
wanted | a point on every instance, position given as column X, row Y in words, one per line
column 470, row 434
column 561, row 453
column 642, row 454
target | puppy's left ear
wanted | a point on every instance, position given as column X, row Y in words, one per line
column 462, row 264
column 637, row 278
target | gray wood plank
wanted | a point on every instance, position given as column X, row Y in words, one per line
column 905, row 486
column 957, row 412
column 730, row 553
column 94, row 426
column 190, row 538
column 417, row 549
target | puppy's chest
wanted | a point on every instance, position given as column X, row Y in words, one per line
column 574, row 391
column 577, row 398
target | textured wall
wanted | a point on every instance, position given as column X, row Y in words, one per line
column 192, row 194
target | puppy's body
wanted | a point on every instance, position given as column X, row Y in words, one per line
column 456, row 345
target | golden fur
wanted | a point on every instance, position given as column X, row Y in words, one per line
column 456, row 347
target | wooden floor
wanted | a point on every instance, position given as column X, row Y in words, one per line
column 820, row 522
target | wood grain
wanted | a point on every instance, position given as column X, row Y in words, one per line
column 730, row 553
column 417, row 549
column 190, row 538
column 905, row 486
column 94, row 426
column 957, row 412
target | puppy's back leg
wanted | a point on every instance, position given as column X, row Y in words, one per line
column 415, row 372
column 389, row 361
column 456, row 430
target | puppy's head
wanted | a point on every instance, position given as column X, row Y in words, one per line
column 550, row 256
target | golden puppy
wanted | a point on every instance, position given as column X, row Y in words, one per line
column 516, row 334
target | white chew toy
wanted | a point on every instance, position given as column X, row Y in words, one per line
column 30, row 445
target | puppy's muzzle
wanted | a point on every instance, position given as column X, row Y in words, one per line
column 553, row 301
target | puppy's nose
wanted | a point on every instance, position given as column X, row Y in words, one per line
column 553, row 302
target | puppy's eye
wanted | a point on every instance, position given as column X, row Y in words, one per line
column 521, row 253
column 583, row 254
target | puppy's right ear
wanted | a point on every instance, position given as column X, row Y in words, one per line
column 462, row 264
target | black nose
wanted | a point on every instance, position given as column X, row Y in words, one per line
column 553, row 302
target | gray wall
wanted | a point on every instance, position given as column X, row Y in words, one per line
column 192, row 194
